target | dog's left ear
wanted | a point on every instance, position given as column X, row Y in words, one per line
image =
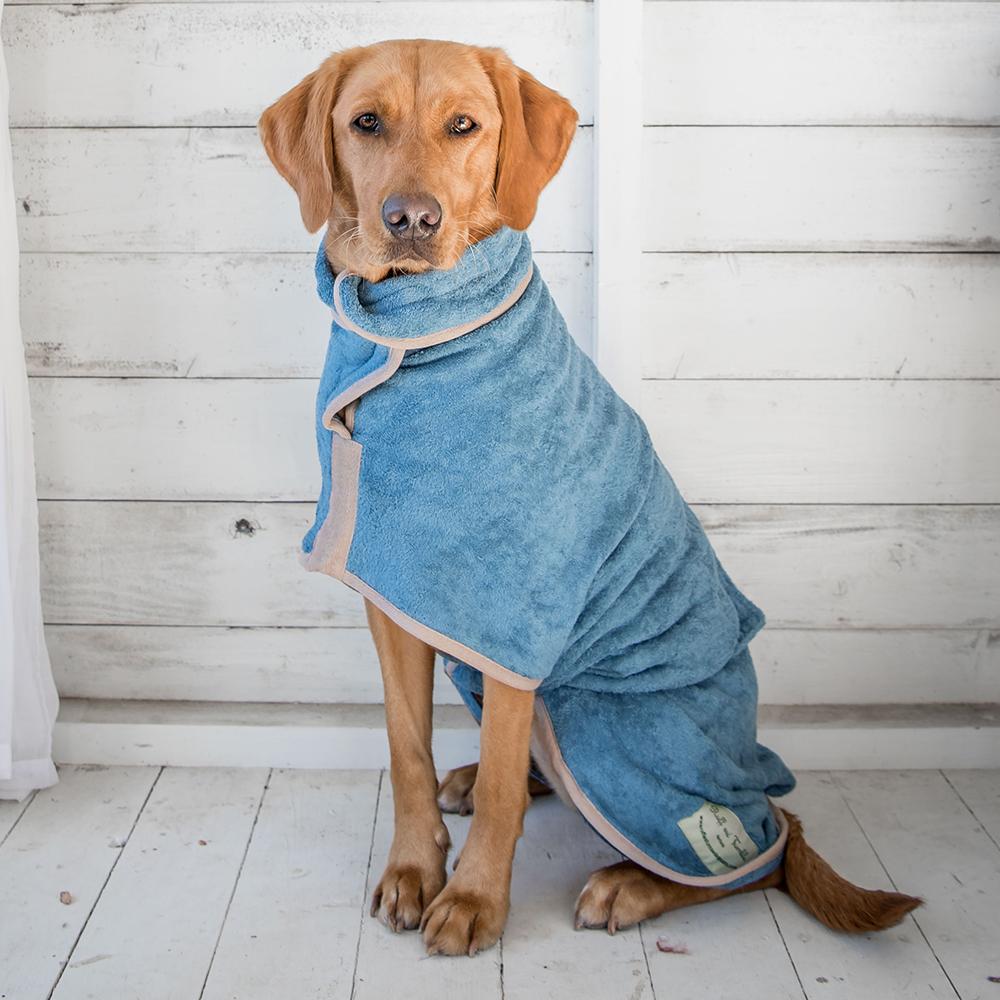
column 538, row 126
column 297, row 132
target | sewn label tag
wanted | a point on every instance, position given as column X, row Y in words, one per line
column 718, row 838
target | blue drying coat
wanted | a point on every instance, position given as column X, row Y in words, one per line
column 486, row 487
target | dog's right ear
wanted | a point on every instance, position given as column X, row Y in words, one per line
column 297, row 132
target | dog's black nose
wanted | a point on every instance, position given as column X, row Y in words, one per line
column 411, row 216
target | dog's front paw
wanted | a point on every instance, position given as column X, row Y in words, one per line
column 404, row 892
column 463, row 921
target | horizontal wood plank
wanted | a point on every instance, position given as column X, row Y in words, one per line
column 872, row 63
column 188, row 190
column 126, row 3
column 235, row 564
column 220, row 734
column 821, row 188
column 724, row 441
column 205, row 315
column 311, row 665
column 185, row 564
column 330, row 665
column 222, row 64
column 792, row 63
column 831, row 315
column 828, row 442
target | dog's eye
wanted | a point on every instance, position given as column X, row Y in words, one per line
column 367, row 122
column 462, row 125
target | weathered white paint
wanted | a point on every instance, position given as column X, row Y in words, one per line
column 177, row 251
column 871, row 666
column 221, row 734
column 807, row 566
column 724, row 441
column 829, row 315
column 205, row 315
column 201, row 63
column 721, row 63
column 744, row 315
column 893, row 965
column 757, row 963
column 184, row 563
column 813, row 737
column 768, row 938
column 556, row 854
column 715, row 189
column 181, row 190
column 321, row 665
column 980, row 791
column 292, row 927
column 958, row 872
column 39, row 931
column 811, row 442
column 821, row 188
column 11, row 811
column 617, row 197
column 185, row 853
column 828, row 63
column 197, row 663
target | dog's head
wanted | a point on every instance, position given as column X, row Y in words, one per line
column 412, row 150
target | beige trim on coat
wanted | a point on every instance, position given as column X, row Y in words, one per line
column 439, row 640
column 552, row 753
column 354, row 392
column 332, row 543
column 427, row 339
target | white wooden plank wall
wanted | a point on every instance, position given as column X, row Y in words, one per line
column 820, row 336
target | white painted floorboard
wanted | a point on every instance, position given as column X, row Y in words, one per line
column 274, row 902
column 153, row 931
column 292, row 928
column 895, row 965
column 68, row 840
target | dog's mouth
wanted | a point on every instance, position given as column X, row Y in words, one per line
column 376, row 257
column 415, row 251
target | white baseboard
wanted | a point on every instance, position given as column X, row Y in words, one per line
column 230, row 734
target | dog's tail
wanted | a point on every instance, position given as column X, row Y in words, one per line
column 832, row 900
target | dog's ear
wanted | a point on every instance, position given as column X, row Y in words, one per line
column 297, row 132
column 537, row 127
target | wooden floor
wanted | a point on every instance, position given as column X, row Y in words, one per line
column 212, row 883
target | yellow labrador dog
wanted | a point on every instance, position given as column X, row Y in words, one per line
column 409, row 152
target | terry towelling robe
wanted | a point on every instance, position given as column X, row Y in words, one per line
column 485, row 486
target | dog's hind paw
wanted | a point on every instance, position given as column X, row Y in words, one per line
column 454, row 794
column 619, row 896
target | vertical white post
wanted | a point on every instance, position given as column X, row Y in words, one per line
column 617, row 193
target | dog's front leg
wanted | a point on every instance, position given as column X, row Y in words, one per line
column 470, row 912
column 415, row 872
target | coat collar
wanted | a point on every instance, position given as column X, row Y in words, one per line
column 419, row 310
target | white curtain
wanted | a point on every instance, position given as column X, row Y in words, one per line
column 28, row 699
